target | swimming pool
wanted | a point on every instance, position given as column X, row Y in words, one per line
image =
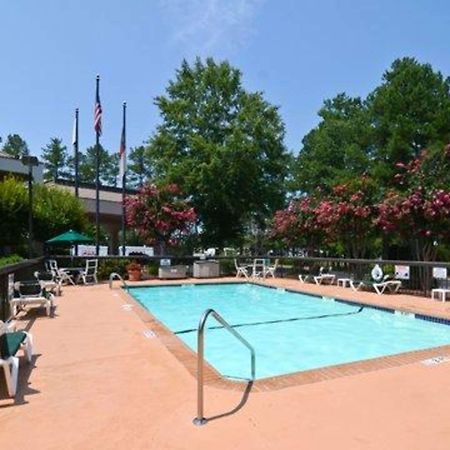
column 290, row 331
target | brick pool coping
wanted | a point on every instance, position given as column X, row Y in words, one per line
column 188, row 358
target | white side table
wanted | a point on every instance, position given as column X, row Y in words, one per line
column 344, row 282
column 441, row 293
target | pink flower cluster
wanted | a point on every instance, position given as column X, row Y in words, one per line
column 160, row 214
column 417, row 214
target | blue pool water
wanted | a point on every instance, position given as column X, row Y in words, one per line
column 309, row 332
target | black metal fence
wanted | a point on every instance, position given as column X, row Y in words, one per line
column 418, row 278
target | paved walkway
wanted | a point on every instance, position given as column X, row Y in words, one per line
column 99, row 383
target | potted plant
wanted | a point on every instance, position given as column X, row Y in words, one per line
column 134, row 271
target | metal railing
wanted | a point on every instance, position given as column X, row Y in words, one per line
column 116, row 276
column 201, row 419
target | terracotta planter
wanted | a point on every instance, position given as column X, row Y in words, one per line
column 134, row 275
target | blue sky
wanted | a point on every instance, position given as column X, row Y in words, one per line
column 298, row 52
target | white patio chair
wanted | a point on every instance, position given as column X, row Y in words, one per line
column 259, row 268
column 10, row 343
column 90, row 272
column 270, row 270
column 31, row 294
column 60, row 274
column 240, row 269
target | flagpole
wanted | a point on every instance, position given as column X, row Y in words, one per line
column 76, row 162
column 75, row 149
column 124, row 176
column 97, row 175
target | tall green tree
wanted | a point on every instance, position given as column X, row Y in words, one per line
column 13, row 212
column 410, row 111
column 56, row 210
column 87, row 165
column 15, row 146
column 139, row 171
column 55, row 158
column 338, row 149
column 111, row 174
column 223, row 146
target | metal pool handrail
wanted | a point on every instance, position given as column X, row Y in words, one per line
column 117, row 276
column 200, row 419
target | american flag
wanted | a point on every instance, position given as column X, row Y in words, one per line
column 98, row 112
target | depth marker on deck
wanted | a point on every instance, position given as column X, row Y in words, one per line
column 435, row 361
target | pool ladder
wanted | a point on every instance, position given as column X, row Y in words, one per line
column 115, row 275
column 200, row 419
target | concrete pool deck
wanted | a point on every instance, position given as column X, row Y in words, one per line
column 98, row 382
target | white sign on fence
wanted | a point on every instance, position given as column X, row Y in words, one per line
column 402, row 272
column 440, row 273
column 90, row 250
column 137, row 249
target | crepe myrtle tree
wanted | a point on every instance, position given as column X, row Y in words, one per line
column 342, row 219
column 346, row 217
column 160, row 215
column 296, row 227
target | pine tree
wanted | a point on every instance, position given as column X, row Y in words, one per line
column 15, row 146
column 55, row 158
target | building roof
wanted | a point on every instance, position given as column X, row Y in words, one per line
column 6, row 155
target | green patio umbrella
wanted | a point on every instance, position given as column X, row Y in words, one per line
column 70, row 237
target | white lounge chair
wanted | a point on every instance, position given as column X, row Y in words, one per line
column 10, row 343
column 324, row 276
column 49, row 282
column 270, row 270
column 379, row 282
column 31, row 294
column 241, row 269
column 90, row 272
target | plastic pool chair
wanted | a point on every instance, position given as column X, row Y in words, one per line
column 90, row 272
column 31, row 293
column 10, row 343
column 259, row 268
column 324, row 276
column 240, row 269
column 379, row 282
column 270, row 270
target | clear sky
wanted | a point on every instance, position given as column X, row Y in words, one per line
column 298, row 52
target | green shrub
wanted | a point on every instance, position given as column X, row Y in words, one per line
column 11, row 259
column 107, row 266
column 227, row 267
column 152, row 269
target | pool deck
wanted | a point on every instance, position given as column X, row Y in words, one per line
column 97, row 382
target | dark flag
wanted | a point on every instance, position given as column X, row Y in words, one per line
column 98, row 131
column 75, row 151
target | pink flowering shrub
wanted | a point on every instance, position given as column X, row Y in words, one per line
column 345, row 218
column 295, row 226
column 160, row 215
column 420, row 217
